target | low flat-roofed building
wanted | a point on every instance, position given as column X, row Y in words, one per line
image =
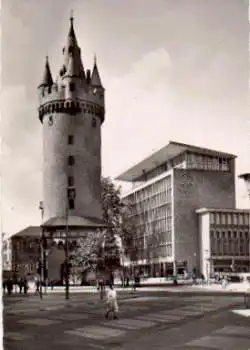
column 224, row 236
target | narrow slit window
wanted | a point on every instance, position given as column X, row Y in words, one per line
column 71, row 204
column 93, row 122
column 72, row 87
column 71, row 181
column 70, row 139
column 71, row 160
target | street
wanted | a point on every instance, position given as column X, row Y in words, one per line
column 149, row 320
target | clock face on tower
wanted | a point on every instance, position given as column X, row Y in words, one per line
column 94, row 91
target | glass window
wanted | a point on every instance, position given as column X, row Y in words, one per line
column 93, row 122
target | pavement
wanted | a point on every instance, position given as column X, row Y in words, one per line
column 169, row 287
column 147, row 320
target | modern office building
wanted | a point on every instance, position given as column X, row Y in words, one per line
column 168, row 187
column 224, row 237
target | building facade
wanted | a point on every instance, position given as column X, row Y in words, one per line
column 224, row 237
column 26, row 253
column 167, row 189
column 71, row 110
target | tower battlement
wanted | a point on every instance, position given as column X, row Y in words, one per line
column 75, row 89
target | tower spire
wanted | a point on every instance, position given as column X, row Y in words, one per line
column 47, row 79
column 72, row 53
column 95, row 76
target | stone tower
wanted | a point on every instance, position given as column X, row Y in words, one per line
column 71, row 110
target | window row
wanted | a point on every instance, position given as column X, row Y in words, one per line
column 229, row 235
column 151, row 190
column 146, row 214
column 230, row 247
column 230, row 218
column 195, row 161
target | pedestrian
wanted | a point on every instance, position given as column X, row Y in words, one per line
column 9, row 286
column 37, row 283
column 20, row 284
column 112, row 305
column 25, row 285
column 101, row 287
column 4, row 286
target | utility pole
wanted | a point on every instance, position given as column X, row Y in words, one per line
column 42, row 272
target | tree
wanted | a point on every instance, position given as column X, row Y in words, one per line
column 111, row 207
column 102, row 247
column 84, row 256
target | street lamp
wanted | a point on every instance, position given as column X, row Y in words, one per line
column 43, row 253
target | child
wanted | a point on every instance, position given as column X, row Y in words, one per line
column 112, row 305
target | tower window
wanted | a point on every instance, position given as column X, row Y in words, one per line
column 70, row 139
column 50, row 120
column 93, row 122
column 71, row 204
column 72, row 87
column 71, row 181
column 71, row 160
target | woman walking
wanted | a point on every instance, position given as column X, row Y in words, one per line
column 112, row 305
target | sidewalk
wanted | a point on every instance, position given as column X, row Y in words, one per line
column 33, row 303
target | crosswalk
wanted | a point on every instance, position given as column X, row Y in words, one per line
column 114, row 329
column 109, row 329
column 228, row 337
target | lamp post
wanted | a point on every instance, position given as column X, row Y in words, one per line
column 246, row 178
column 43, row 253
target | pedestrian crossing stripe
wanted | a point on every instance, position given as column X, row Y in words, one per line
column 96, row 332
column 15, row 336
column 157, row 318
column 130, row 323
column 39, row 321
column 71, row 317
column 245, row 312
column 234, row 330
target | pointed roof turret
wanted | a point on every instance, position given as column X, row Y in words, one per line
column 95, row 76
column 71, row 36
column 72, row 54
column 47, row 76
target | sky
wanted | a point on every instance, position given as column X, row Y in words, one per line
column 172, row 70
